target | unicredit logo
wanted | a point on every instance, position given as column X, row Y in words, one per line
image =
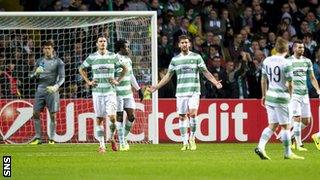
column 15, row 124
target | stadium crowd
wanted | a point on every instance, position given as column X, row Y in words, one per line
column 232, row 36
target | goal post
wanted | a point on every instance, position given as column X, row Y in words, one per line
column 74, row 35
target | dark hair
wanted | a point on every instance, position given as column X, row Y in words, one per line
column 298, row 41
column 49, row 43
column 307, row 35
column 182, row 37
column 119, row 44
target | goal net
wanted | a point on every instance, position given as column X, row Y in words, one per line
column 74, row 35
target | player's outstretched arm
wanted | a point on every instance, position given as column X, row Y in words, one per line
column 163, row 82
column 211, row 78
column 134, row 82
column 136, row 86
column 314, row 82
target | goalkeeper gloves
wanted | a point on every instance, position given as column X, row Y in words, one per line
column 140, row 93
column 39, row 70
column 52, row 89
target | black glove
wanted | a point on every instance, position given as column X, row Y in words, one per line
column 140, row 93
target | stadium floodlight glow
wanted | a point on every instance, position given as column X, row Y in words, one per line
column 74, row 35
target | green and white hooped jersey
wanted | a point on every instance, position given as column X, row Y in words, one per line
column 278, row 71
column 301, row 69
column 103, row 68
column 124, row 88
column 187, row 68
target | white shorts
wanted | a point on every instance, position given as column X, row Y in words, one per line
column 184, row 104
column 125, row 103
column 278, row 114
column 104, row 104
column 300, row 107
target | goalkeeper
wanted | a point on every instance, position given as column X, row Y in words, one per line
column 125, row 100
column 51, row 73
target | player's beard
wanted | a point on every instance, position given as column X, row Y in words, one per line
column 185, row 50
column 299, row 54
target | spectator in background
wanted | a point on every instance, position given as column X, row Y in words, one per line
column 240, row 76
column 75, row 5
column 258, row 17
column 299, row 16
column 28, row 89
column 56, row 5
column 304, row 28
column 154, row 5
column 137, row 5
column 271, row 41
column 214, row 25
column 245, row 19
column 184, row 24
column 176, row 7
column 292, row 6
column 309, row 43
column 197, row 46
column 264, row 29
column 213, row 51
column 169, row 28
column 195, row 5
column 246, row 38
column 253, row 75
column 263, row 46
column 195, row 28
column 119, row 5
column 286, row 24
column 235, row 48
column 230, row 88
column 217, row 68
column 253, row 48
column 313, row 22
column 225, row 19
column 9, row 82
column 235, row 9
column 165, row 52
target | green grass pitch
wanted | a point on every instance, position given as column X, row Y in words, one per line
column 163, row 161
